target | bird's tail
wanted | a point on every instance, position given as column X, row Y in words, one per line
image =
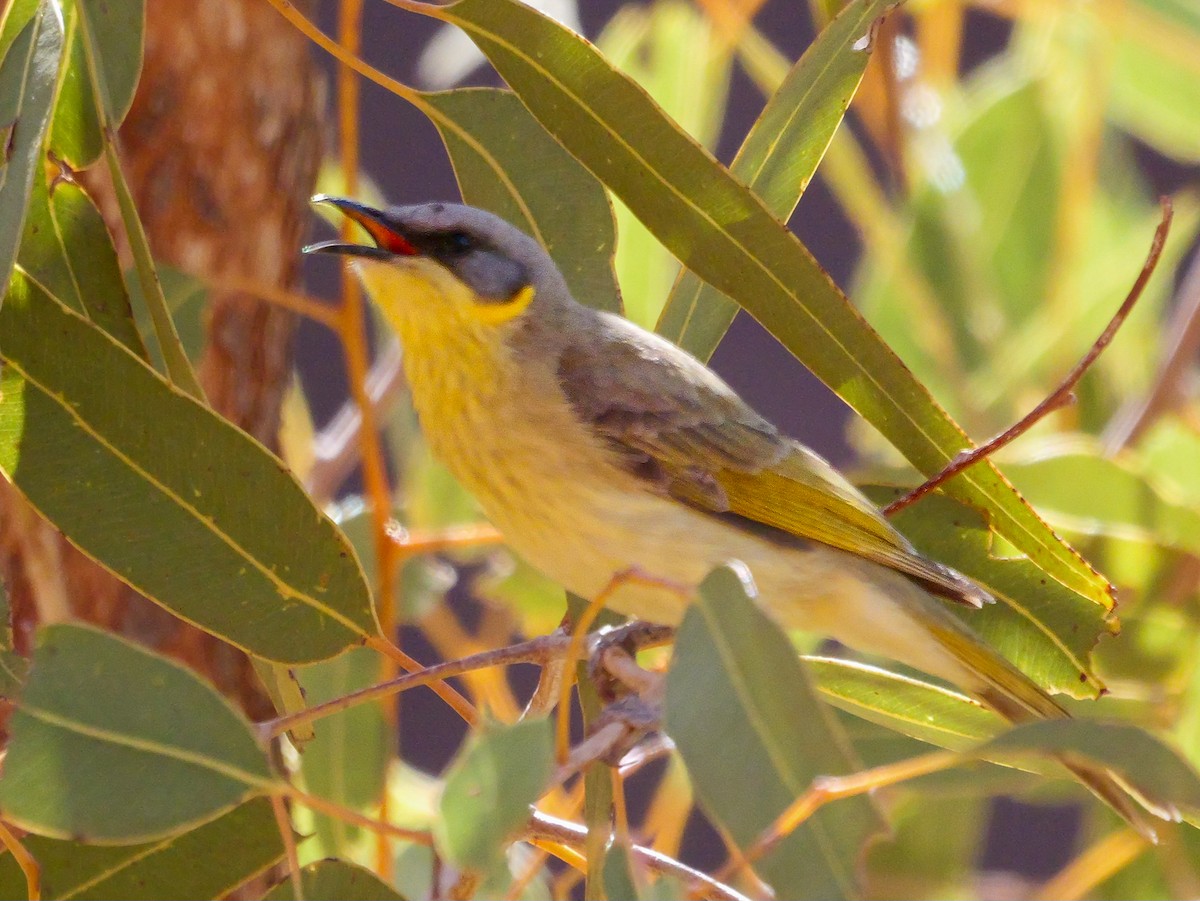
column 1009, row 692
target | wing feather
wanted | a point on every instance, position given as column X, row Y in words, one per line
column 675, row 423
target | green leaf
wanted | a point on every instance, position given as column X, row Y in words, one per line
column 742, row 711
column 1063, row 485
column 12, row 665
column 619, row 881
column 1144, row 761
column 903, row 704
column 206, row 862
column 336, row 880
column 778, row 158
column 1170, row 451
column 67, row 249
column 347, row 760
column 187, row 302
column 673, row 50
column 196, row 515
column 1155, row 93
column 1046, row 630
column 27, row 76
column 507, row 163
column 112, row 744
column 489, row 789
column 721, row 230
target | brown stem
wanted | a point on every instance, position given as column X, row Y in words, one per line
column 1062, row 394
column 1170, row 383
column 537, row 650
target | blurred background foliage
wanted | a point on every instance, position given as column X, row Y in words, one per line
column 994, row 190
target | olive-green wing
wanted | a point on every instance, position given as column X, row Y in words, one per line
column 675, row 423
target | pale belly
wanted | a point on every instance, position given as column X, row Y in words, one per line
column 584, row 540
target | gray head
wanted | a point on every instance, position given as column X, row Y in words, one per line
column 496, row 260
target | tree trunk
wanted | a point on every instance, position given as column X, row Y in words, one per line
column 221, row 150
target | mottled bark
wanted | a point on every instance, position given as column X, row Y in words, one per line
column 221, row 150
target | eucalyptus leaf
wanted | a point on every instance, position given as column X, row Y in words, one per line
column 28, row 73
column 206, row 862
column 113, row 744
column 488, row 792
column 67, row 249
column 336, row 880
column 507, row 163
column 347, row 760
column 744, row 716
column 194, row 513
column 778, row 158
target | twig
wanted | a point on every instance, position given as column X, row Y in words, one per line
column 337, row 446
column 1062, row 394
column 832, row 788
column 284, row 824
column 441, row 688
column 1168, row 389
column 545, row 828
column 354, row 818
column 30, row 868
column 536, row 650
column 579, row 633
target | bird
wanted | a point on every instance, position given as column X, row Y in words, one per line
column 597, row 448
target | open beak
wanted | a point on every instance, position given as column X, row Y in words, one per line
column 389, row 239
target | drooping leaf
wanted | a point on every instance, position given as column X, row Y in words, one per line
column 206, row 862
column 193, row 512
column 742, row 711
column 778, row 158
column 722, row 231
column 336, row 880
column 488, row 792
column 679, row 54
column 505, row 162
column 1142, row 759
column 67, row 249
column 187, row 302
column 118, row 27
column 1046, row 630
column 919, row 709
column 287, row 697
column 114, row 744
column 28, row 72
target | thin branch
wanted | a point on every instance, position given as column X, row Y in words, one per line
column 1062, row 394
column 1169, row 385
column 354, row 818
column 545, row 828
column 832, row 788
column 29, row 866
column 442, row 689
column 537, row 650
column 284, row 824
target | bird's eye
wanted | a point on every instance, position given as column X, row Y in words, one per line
column 459, row 243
